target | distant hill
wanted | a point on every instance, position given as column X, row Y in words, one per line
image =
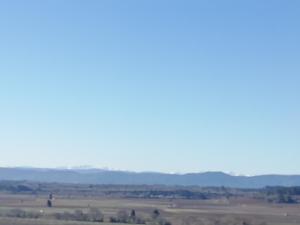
column 100, row 176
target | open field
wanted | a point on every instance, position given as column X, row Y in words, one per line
column 240, row 211
column 18, row 221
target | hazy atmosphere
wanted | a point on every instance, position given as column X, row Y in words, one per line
column 170, row 86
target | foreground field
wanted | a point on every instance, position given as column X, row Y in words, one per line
column 18, row 221
column 236, row 211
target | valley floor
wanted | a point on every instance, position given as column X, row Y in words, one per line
column 179, row 212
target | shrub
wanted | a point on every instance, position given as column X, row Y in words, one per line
column 162, row 221
column 95, row 215
column 19, row 213
column 124, row 217
column 80, row 216
column 64, row 216
column 113, row 219
column 155, row 214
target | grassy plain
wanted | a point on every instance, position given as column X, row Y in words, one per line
column 234, row 211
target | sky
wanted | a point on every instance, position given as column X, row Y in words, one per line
column 160, row 85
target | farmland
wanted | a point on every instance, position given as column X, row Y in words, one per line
column 25, row 204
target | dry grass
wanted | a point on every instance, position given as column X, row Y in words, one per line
column 17, row 221
column 180, row 212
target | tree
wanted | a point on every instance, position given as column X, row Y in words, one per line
column 155, row 214
column 49, row 203
column 132, row 214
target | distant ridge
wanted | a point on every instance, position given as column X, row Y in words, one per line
column 103, row 176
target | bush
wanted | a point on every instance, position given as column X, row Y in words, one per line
column 158, row 219
column 19, row 213
column 155, row 214
column 80, row 216
column 124, row 217
column 162, row 221
column 64, row 216
column 113, row 219
column 95, row 215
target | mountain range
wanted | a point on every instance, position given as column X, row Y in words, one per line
column 103, row 176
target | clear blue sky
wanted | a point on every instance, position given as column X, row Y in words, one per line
column 173, row 86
